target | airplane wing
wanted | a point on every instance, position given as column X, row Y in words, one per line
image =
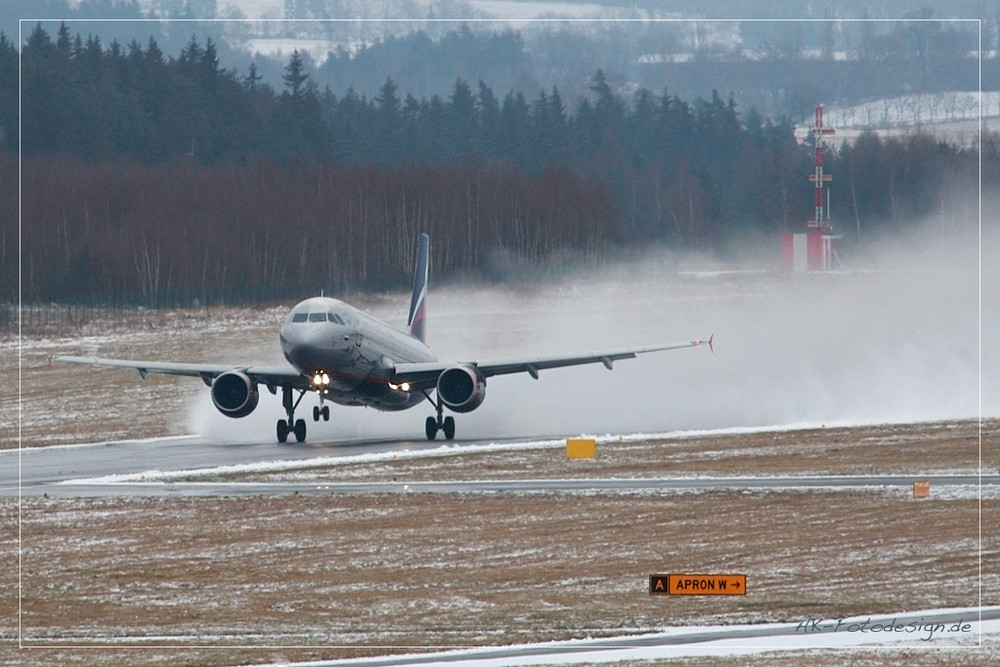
column 424, row 375
column 271, row 376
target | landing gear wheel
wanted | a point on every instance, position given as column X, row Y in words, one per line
column 284, row 427
column 315, row 413
column 439, row 423
column 325, row 413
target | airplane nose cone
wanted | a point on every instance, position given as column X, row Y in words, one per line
column 296, row 337
column 310, row 348
column 309, row 334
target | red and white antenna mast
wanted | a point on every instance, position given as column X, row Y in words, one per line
column 813, row 251
column 821, row 220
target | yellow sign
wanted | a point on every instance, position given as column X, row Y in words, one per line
column 581, row 448
column 922, row 488
column 697, row 584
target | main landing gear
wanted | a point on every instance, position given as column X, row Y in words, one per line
column 284, row 427
column 299, row 429
column 292, row 425
column 444, row 424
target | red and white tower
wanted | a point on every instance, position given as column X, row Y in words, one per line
column 813, row 251
column 819, row 221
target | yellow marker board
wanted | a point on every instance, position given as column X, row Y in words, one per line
column 581, row 448
column 697, row 584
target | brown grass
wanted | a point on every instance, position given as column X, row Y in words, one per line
column 350, row 575
column 913, row 449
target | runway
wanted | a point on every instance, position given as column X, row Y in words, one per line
column 69, row 488
column 48, row 469
column 120, row 469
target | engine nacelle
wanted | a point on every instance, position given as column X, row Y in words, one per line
column 461, row 388
column 234, row 394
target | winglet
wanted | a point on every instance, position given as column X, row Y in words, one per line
column 706, row 342
column 418, row 306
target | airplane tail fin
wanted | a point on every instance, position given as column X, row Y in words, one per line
column 418, row 305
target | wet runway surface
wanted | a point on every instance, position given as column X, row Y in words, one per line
column 98, row 470
column 47, row 470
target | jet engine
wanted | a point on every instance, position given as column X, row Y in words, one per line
column 234, row 394
column 461, row 388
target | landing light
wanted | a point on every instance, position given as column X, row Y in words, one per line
column 320, row 379
column 400, row 387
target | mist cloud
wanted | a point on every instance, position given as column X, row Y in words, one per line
column 893, row 337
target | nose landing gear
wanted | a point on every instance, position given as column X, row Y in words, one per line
column 321, row 413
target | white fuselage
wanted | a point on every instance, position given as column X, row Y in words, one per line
column 348, row 355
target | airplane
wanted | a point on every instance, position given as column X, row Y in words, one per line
column 347, row 357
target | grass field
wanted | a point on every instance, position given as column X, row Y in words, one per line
column 222, row 581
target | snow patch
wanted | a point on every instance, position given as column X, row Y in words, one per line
column 905, row 630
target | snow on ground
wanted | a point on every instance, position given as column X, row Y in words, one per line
column 258, row 8
column 277, row 466
column 302, row 470
column 916, row 110
column 443, row 450
column 504, row 9
column 281, row 48
column 910, row 630
column 511, row 10
column 954, row 116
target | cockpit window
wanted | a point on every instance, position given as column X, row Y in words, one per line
column 318, row 317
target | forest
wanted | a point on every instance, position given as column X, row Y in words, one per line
column 157, row 179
